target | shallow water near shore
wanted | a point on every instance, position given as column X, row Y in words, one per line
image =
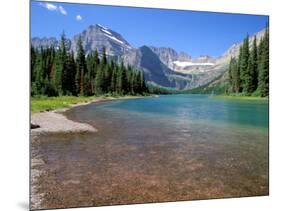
column 175, row 147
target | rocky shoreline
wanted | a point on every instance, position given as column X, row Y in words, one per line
column 52, row 121
column 48, row 122
column 45, row 123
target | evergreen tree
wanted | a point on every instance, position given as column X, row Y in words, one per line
column 238, row 80
column 131, row 80
column 99, row 80
column 69, row 80
column 138, row 83
column 68, row 69
column 104, row 58
column 249, row 86
column 263, row 65
column 33, row 54
column 250, row 76
column 230, row 75
column 244, row 65
column 143, row 85
column 123, row 79
column 81, row 67
column 56, row 72
column 251, row 71
column 113, row 81
column 91, row 70
column 234, row 75
column 38, row 73
column 119, row 81
column 102, row 82
column 58, row 76
column 254, row 57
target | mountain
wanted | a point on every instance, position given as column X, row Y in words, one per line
column 233, row 51
column 162, row 66
column 99, row 37
column 219, row 83
column 156, row 72
column 182, row 62
column 44, row 42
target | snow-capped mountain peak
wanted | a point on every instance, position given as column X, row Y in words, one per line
column 98, row 37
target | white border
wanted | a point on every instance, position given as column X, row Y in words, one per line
column 14, row 111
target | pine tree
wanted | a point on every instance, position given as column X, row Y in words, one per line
column 55, row 72
column 234, row 76
column 70, row 68
column 91, row 70
column 249, row 86
column 251, row 74
column 263, row 65
column 119, row 81
column 230, row 75
column 108, row 75
column 130, row 78
column 33, row 55
column 123, row 79
column 244, row 65
column 113, row 80
column 67, row 69
column 99, row 80
column 138, row 83
column 254, row 55
column 81, row 67
column 143, row 85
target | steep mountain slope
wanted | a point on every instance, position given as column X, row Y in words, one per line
column 182, row 62
column 202, row 69
column 99, row 37
column 155, row 70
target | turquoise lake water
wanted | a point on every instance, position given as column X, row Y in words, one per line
column 166, row 148
column 196, row 108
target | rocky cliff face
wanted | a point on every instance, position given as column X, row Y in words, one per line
column 99, row 37
column 162, row 66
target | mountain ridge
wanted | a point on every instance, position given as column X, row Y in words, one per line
column 162, row 66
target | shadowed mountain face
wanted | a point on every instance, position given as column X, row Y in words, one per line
column 162, row 66
column 157, row 72
column 155, row 69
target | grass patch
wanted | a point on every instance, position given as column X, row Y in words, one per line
column 239, row 97
column 43, row 103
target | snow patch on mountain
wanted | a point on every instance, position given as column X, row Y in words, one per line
column 187, row 64
column 102, row 26
column 106, row 31
column 114, row 38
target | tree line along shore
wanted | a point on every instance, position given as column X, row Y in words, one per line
column 249, row 74
column 57, row 72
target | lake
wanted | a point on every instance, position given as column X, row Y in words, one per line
column 155, row 149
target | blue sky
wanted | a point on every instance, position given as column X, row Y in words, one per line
column 196, row 33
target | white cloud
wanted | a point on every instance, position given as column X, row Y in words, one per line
column 49, row 6
column 79, row 17
column 53, row 7
column 62, row 10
